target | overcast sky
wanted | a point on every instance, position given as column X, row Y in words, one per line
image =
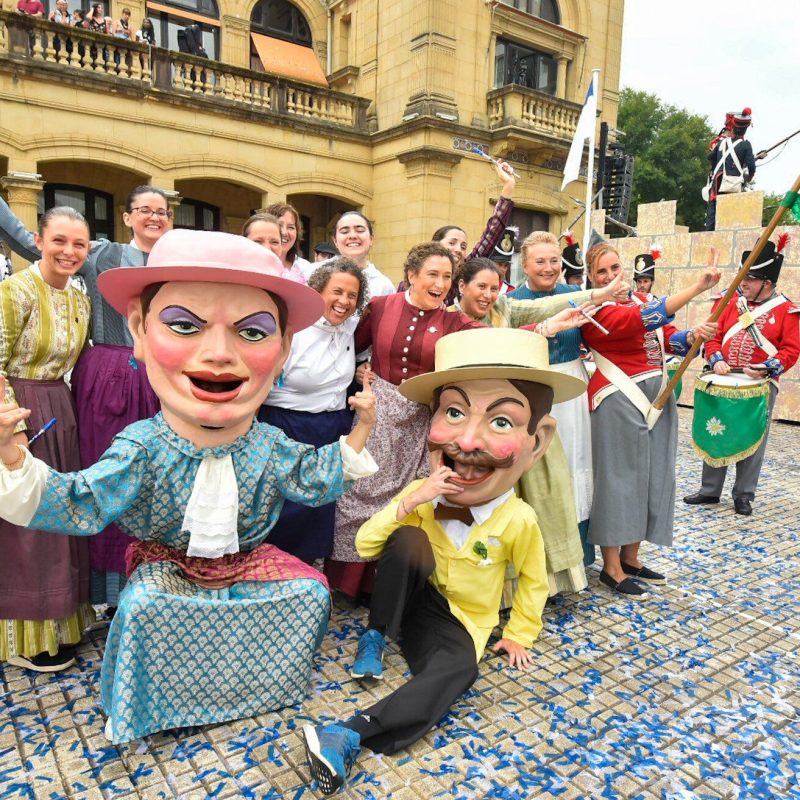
column 713, row 57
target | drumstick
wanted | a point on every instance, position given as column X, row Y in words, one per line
column 591, row 319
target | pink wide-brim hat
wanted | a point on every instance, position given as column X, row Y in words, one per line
column 211, row 257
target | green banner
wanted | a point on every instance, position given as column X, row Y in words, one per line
column 672, row 368
column 729, row 422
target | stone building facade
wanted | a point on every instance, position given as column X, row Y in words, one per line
column 329, row 104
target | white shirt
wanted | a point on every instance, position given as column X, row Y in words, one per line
column 319, row 369
column 457, row 531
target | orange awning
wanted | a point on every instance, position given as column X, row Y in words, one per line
column 291, row 60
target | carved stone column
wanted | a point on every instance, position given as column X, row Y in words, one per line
column 22, row 190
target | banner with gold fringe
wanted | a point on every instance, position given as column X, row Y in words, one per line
column 730, row 418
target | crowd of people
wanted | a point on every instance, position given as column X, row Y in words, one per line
column 137, row 437
column 93, row 19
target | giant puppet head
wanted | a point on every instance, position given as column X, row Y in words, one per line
column 212, row 320
column 491, row 391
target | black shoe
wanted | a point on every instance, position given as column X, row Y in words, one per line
column 741, row 505
column 643, row 574
column 698, row 498
column 44, row 662
column 627, row 588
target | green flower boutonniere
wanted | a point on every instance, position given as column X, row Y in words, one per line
column 480, row 549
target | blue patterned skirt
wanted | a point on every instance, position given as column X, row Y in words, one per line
column 179, row 654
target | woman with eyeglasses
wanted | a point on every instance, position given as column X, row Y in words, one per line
column 110, row 387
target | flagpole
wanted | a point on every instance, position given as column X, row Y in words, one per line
column 587, row 227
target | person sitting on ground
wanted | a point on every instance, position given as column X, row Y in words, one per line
column 444, row 542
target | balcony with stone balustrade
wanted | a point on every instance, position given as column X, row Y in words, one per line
column 36, row 48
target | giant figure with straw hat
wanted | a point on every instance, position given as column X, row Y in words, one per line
column 757, row 341
column 444, row 542
column 214, row 624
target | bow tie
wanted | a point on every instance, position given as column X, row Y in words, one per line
column 461, row 513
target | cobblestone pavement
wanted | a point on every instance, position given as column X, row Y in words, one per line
column 694, row 693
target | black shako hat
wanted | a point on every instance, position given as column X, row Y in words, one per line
column 769, row 261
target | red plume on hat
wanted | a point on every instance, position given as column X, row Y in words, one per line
column 783, row 240
column 656, row 250
column 743, row 119
column 569, row 238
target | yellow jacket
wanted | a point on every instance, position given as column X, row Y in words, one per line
column 472, row 587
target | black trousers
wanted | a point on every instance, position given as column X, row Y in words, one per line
column 439, row 650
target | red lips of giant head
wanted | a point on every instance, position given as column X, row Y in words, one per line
column 215, row 387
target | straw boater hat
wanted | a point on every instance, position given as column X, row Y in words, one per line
column 769, row 261
column 482, row 353
column 644, row 265
column 207, row 256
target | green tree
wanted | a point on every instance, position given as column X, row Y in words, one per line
column 670, row 147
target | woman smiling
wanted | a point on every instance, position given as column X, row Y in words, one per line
column 309, row 402
column 402, row 329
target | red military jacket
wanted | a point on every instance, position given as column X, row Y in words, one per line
column 780, row 325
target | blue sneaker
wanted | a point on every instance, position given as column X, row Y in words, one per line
column 331, row 751
column 369, row 656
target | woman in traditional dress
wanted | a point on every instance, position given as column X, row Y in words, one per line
column 542, row 265
column 633, row 447
column 550, row 487
column 402, row 329
column 44, row 324
column 295, row 266
column 110, row 387
column 309, row 402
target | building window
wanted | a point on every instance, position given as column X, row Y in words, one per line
column 96, row 207
column 545, row 9
column 523, row 66
column 282, row 20
column 197, row 216
column 201, row 15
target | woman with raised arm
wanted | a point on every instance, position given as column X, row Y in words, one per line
column 633, row 446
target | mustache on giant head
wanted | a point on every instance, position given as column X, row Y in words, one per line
column 477, row 458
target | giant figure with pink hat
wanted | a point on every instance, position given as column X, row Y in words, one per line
column 214, row 624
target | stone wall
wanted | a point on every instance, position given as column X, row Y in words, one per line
column 685, row 255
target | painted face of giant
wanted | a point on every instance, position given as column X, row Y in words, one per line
column 211, row 353
column 480, row 430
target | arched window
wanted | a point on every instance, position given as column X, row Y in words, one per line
column 545, row 9
column 170, row 17
column 281, row 20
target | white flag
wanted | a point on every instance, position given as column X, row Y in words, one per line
column 584, row 131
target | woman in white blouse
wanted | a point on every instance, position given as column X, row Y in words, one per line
column 309, row 400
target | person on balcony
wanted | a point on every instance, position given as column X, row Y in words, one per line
column 61, row 15
column 146, row 34
column 33, row 8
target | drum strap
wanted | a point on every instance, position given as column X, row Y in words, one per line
column 625, row 384
column 765, row 308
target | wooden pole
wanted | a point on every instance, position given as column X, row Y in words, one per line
column 661, row 400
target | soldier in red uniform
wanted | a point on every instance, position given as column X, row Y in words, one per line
column 778, row 322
